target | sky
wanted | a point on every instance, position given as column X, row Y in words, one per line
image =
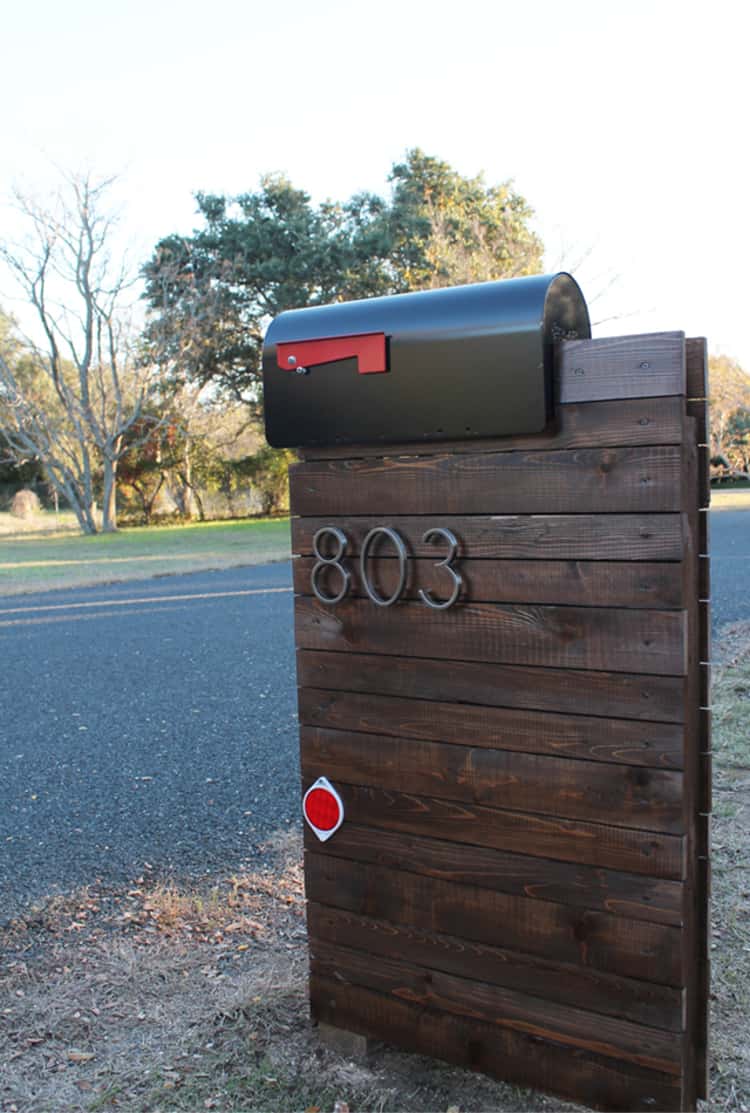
column 624, row 125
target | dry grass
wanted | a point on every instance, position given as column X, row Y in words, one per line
column 45, row 523
column 730, row 837
column 166, row 998
column 37, row 562
column 734, row 498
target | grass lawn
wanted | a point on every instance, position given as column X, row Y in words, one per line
column 42, row 561
column 737, row 498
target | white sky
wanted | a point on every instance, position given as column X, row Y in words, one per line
column 625, row 125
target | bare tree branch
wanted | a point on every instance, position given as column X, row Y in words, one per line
column 73, row 411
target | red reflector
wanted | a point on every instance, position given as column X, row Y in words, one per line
column 323, row 808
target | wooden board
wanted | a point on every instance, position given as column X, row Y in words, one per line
column 643, row 798
column 517, row 885
column 586, row 583
column 502, row 536
column 622, row 741
column 571, row 691
column 643, row 1002
column 565, row 840
column 559, row 637
column 607, row 480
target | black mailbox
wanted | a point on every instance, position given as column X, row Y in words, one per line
column 449, row 364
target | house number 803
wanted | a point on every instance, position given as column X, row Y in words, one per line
column 334, row 561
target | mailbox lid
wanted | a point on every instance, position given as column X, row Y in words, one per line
column 460, row 362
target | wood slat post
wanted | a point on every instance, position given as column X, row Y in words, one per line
column 519, row 884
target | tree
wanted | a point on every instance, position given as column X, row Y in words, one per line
column 729, row 392
column 72, row 400
column 446, row 230
column 212, row 294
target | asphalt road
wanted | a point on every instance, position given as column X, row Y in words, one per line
column 730, row 567
column 155, row 722
column 157, row 725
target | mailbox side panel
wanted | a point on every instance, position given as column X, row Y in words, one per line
column 517, row 885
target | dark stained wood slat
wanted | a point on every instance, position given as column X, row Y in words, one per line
column 595, row 844
column 630, row 948
column 704, row 581
column 696, row 350
column 609, row 639
column 655, row 698
column 650, row 537
column 590, row 583
column 704, row 495
column 611, row 424
column 642, row 1002
column 704, row 533
column 609, row 480
column 623, row 741
column 623, row 894
column 512, row 1056
column 648, row 799
column 697, row 408
column 507, row 1008
column 621, row 367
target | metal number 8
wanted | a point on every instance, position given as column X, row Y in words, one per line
column 452, row 540
column 333, row 561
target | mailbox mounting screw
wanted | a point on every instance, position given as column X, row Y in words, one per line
column 302, row 370
column 645, row 366
column 291, row 360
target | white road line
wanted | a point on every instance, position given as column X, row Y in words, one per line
column 145, row 599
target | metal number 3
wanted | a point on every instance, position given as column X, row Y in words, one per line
column 333, row 561
column 433, row 535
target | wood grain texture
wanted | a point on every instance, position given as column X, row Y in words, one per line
column 612, row 424
column 535, row 756
column 698, row 408
column 624, row 894
column 503, row 1007
column 609, row 639
column 593, row 844
column 622, row 741
column 642, row 1002
column 570, row 691
column 587, row 583
column 621, row 367
column 506, row 1054
column 696, row 349
column 598, row 940
column 648, row 799
column 698, row 742
column 704, row 578
column 624, row 537
column 608, row 480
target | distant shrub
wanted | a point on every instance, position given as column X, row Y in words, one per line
column 25, row 504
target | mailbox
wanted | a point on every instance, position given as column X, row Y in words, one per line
column 505, row 762
column 458, row 363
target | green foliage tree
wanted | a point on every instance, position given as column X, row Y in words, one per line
column 212, row 294
column 446, row 229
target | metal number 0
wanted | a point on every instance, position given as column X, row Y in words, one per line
column 367, row 544
column 333, row 561
column 433, row 534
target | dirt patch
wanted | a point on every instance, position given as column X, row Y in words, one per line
column 192, row 998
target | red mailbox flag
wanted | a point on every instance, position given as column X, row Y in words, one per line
column 367, row 348
column 323, row 808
